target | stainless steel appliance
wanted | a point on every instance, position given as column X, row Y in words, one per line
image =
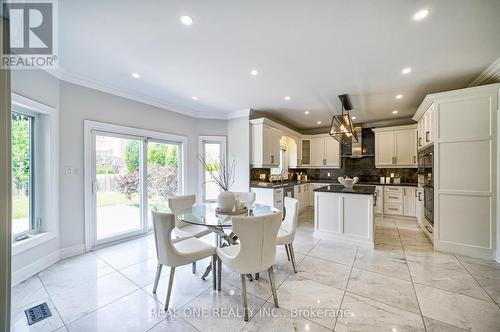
column 425, row 170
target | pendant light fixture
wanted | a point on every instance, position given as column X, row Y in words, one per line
column 342, row 128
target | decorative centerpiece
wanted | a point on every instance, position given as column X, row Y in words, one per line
column 223, row 176
column 347, row 182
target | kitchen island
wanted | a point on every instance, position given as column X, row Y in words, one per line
column 345, row 214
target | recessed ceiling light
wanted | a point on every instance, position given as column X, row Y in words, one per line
column 394, row 112
column 319, row 122
column 186, row 20
column 353, row 117
column 421, row 14
column 136, row 75
column 406, row 71
column 287, row 97
column 399, row 96
column 306, row 112
column 254, row 72
column 194, row 98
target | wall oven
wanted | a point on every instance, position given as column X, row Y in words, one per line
column 425, row 170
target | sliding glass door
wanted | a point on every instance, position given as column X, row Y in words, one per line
column 130, row 175
column 163, row 175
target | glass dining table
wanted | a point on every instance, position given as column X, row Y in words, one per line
column 205, row 214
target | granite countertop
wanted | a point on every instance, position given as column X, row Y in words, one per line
column 362, row 190
column 275, row 185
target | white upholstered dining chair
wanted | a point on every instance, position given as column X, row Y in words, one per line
column 256, row 251
column 176, row 252
column 286, row 233
column 183, row 204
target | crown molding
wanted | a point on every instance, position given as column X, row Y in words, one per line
column 69, row 77
column 489, row 75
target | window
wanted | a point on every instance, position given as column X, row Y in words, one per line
column 212, row 148
column 23, row 173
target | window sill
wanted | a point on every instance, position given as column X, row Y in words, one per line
column 36, row 240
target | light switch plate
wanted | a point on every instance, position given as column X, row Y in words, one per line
column 68, row 171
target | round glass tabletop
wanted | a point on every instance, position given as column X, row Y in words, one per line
column 204, row 215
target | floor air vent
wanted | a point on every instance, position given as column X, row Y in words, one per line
column 37, row 313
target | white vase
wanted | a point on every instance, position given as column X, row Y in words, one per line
column 226, row 200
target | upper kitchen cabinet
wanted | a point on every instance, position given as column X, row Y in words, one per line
column 396, row 147
column 265, row 145
column 425, row 127
column 320, row 151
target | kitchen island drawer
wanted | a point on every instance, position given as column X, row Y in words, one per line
column 394, row 209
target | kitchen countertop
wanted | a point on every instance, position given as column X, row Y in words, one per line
column 362, row 190
column 276, row 185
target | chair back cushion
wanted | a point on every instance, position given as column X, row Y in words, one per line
column 289, row 224
column 180, row 205
column 257, row 236
column 163, row 224
column 247, row 198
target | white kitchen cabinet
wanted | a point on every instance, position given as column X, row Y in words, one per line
column 419, row 206
column 322, row 151
column 463, row 126
column 425, row 126
column 405, row 147
column 396, row 147
column 265, row 145
column 332, row 152
column 384, row 148
column 317, row 151
column 409, row 201
column 379, row 194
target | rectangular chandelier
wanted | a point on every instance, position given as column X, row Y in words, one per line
column 342, row 128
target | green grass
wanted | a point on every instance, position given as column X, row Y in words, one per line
column 114, row 198
column 20, row 207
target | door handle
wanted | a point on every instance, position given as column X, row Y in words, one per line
column 95, row 187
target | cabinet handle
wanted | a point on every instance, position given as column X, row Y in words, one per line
column 428, row 229
column 420, row 141
column 393, row 197
column 427, row 136
column 414, row 159
column 324, row 161
column 393, row 209
column 375, row 199
column 419, row 197
column 415, row 193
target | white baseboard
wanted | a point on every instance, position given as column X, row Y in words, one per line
column 35, row 267
column 43, row 263
column 72, row 251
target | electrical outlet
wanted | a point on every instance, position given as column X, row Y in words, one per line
column 328, row 174
column 68, row 171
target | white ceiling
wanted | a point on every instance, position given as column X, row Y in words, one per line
column 311, row 51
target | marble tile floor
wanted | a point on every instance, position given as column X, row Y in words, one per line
column 401, row 285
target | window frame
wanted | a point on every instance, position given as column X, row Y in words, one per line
column 222, row 140
column 34, row 211
column 46, row 172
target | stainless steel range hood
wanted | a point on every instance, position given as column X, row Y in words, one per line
column 356, row 147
